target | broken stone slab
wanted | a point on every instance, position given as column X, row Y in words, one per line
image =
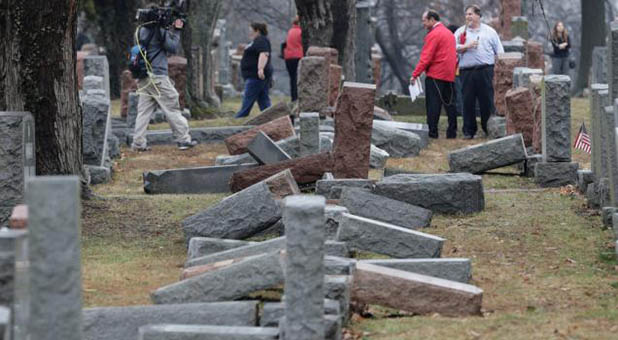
column 250, row 249
column 555, row 174
column 336, row 248
column 334, row 215
column 227, row 283
column 397, row 171
column 194, row 332
column 453, row 269
column 239, row 216
column 393, row 288
column 421, row 130
column 353, row 125
column 277, row 129
column 99, row 174
column 364, row 203
column 303, row 217
column 281, row 109
column 585, row 177
column 556, row 118
column 488, row 156
column 265, row 151
column 201, row 180
column 496, row 127
column 305, row 170
column 387, row 239
column 397, row 142
column 515, row 45
column 202, row 135
column 282, row 184
column 378, row 157
column 104, row 323
column 441, row 193
column 331, row 189
column 203, row 246
column 338, row 287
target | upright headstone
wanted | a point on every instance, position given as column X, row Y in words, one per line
column 556, row 118
column 13, row 276
column 521, row 76
column 503, row 77
column 309, row 133
column 598, row 102
column 519, row 27
column 98, row 66
column 508, row 10
column 353, row 127
column 224, row 52
column 599, row 65
column 312, row 92
column 54, row 256
column 612, row 61
column 534, row 54
column 520, row 113
column 132, row 109
column 17, row 159
column 303, row 217
column 95, row 119
column 612, row 161
column 364, row 42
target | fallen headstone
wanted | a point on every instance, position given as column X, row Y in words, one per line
column 453, row 269
column 251, row 249
column 265, row 151
column 209, row 179
column 202, row 246
column 387, row 239
column 378, row 157
column 555, row 174
column 336, row 248
column 393, row 288
column 488, row 156
column 363, row 203
column 334, row 214
column 99, row 174
column 227, row 283
column 381, row 114
column 202, row 135
column 440, row 193
column 421, row 130
column 277, row 129
column 397, row 142
column 281, row 109
column 194, row 332
column 104, row 323
column 331, row 189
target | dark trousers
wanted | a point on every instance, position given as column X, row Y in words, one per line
column 255, row 90
column 477, row 85
column 439, row 93
column 292, row 66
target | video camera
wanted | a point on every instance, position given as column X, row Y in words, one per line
column 163, row 16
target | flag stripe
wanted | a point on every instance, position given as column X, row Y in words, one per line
column 582, row 140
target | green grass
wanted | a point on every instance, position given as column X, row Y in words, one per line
column 547, row 268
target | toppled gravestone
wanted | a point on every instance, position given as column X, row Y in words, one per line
column 278, row 110
column 273, row 311
column 334, row 215
column 202, row 246
column 209, row 179
column 378, row 157
column 379, row 237
column 230, row 282
column 237, row 217
column 421, row 130
column 193, row 332
column 441, row 193
column 331, row 189
column 393, row 288
column 251, row 249
column 364, row 203
column 104, row 323
column 265, row 151
column 453, row 269
column 277, row 129
column 487, row 156
column 398, row 143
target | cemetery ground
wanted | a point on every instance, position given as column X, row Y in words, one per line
column 546, row 266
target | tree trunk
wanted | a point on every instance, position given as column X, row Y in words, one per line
column 37, row 74
column 330, row 23
column 203, row 15
column 593, row 34
column 116, row 20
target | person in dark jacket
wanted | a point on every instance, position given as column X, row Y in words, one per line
column 257, row 70
column 292, row 54
column 439, row 62
column 562, row 44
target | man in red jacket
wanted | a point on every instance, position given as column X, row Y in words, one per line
column 439, row 62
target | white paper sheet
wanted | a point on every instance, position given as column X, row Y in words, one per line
column 416, row 89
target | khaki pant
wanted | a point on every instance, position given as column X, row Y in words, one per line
column 167, row 99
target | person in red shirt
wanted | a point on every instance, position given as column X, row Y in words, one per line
column 439, row 62
column 293, row 53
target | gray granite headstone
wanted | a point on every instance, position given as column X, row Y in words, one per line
column 496, row 127
column 202, row 246
column 491, row 155
column 598, row 102
column 55, row 259
column 14, row 271
column 93, row 83
column 208, row 179
column 599, row 65
column 105, row 323
column 95, row 65
column 556, row 121
column 331, row 189
column 454, row 269
column 265, row 151
column 251, row 249
column 309, row 133
column 132, row 109
column 396, row 141
column 612, row 61
column 609, row 124
column 17, row 159
column 206, row 332
column 555, row 174
column 521, row 76
column 95, row 117
column 312, row 95
column 303, row 217
column 363, row 41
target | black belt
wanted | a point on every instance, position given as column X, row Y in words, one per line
column 478, row 67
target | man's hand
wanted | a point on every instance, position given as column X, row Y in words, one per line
column 179, row 24
column 473, row 44
column 261, row 74
column 563, row 46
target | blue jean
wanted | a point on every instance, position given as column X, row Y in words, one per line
column 255, row 90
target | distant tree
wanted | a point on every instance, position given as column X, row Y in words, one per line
column 37, row 74
column 593, row 34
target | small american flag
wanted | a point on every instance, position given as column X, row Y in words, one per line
column 582, row 141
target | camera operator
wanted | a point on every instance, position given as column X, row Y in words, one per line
column 157, row 89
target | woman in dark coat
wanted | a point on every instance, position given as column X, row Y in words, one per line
column 562, row 44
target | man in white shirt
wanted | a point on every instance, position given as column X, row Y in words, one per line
column 478, row 45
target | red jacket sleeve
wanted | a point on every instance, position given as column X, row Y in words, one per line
column 427, row 54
